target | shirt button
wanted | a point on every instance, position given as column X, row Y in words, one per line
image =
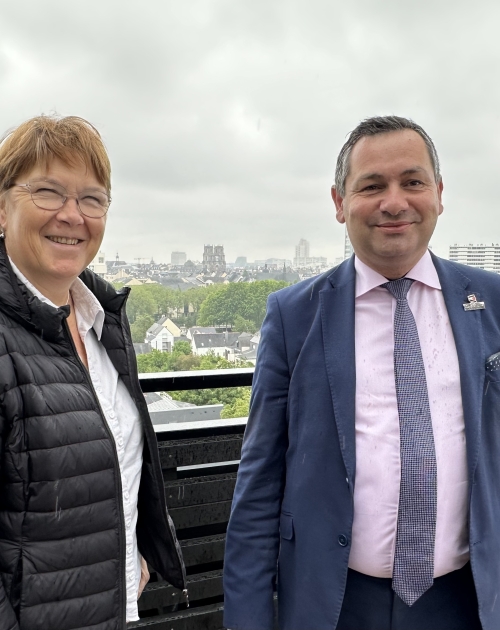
column 342, row 540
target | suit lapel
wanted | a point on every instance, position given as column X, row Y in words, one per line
column 337, row 318
column 467, row 329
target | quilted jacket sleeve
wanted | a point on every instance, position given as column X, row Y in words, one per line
column 8, row 619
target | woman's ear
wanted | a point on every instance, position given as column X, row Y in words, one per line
column 3, row 212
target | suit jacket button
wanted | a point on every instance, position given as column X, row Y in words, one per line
column 342, row 540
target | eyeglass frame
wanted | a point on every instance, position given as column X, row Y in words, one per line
column 65, row 199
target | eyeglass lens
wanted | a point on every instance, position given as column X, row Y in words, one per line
column 49, row 196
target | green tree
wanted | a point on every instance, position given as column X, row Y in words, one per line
column 141, row 302
column 248, row 300
column 179, row 360
column 224, row 395
column 139, row 327
column 154, row 361
column 244, row 325
column 154, row 300
column 239, row 408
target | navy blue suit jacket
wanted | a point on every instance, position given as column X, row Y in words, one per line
column 293, row 503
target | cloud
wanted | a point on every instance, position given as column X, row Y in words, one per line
column 223, row 120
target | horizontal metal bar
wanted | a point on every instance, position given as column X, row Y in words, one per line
column 200, row 490
column 201, row 586
column 221, row 448
column 203, row 617
column 192, row 425
column 196, row 379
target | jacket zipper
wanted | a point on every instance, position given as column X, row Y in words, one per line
column 117, row 476
column 139, row 397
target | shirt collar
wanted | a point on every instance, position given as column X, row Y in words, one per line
column 90, row 313
column 368, row 279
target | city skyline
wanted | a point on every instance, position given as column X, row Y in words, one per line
column 180, row 256
column 465, row 253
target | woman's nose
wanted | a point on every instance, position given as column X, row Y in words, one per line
column 70, row 212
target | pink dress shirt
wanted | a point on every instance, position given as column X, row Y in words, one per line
column 378, row 466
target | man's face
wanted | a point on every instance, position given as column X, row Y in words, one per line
column 391, row 201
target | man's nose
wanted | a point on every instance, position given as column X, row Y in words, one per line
column 394, row 200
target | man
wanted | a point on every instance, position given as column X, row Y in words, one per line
column 370, row 471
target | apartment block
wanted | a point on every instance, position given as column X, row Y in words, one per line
column 482, row 256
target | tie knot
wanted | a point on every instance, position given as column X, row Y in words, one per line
column 399, row 288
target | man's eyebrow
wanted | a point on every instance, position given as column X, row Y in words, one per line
column 370, row 176
column 413, row 170
column 408, row 171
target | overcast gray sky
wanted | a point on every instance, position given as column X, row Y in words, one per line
column 223, row 118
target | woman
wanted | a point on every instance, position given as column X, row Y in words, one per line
column 81, row 489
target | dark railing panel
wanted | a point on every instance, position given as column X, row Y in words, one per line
column 200, row 451
column 201, row 586
column 193, row 516
column 197, row 379
column 205, row 550
column 200, row 490
column 199, row 466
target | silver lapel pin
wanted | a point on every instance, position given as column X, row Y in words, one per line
column 473, row 304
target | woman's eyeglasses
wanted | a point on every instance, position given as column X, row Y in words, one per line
column 50, row 196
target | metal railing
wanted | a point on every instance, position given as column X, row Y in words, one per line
column 197, row 379
column 199, row 462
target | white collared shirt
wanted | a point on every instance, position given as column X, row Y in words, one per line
column 378, row 463
column 121, row 416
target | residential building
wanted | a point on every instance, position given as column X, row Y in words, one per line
column 98, row 265
column 163, row 409
column 482, row 256
column 220, row 344
column 142, row 348
column 163, row 334
column 348, row 250
column 199, row 330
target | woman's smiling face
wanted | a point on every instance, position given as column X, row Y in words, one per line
column 51, row 247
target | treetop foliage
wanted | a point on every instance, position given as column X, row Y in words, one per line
column 240, row 305
column 237, row 302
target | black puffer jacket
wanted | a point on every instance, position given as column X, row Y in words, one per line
column 61, row 521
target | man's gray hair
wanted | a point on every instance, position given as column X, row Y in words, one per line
column 371, row 127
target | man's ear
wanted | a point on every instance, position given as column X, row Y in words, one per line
column 339, row 205
column 440, row 196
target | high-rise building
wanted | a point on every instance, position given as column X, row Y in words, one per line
column 348, row 250
column 482, row 256
column 241, row 261
column 178, row 258
column 302, row 249
column 214, row 259
column 301, row 253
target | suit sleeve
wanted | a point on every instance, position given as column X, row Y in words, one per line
column 252, row 541
column 8, row 619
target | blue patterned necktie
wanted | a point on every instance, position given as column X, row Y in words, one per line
column 413, row 572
